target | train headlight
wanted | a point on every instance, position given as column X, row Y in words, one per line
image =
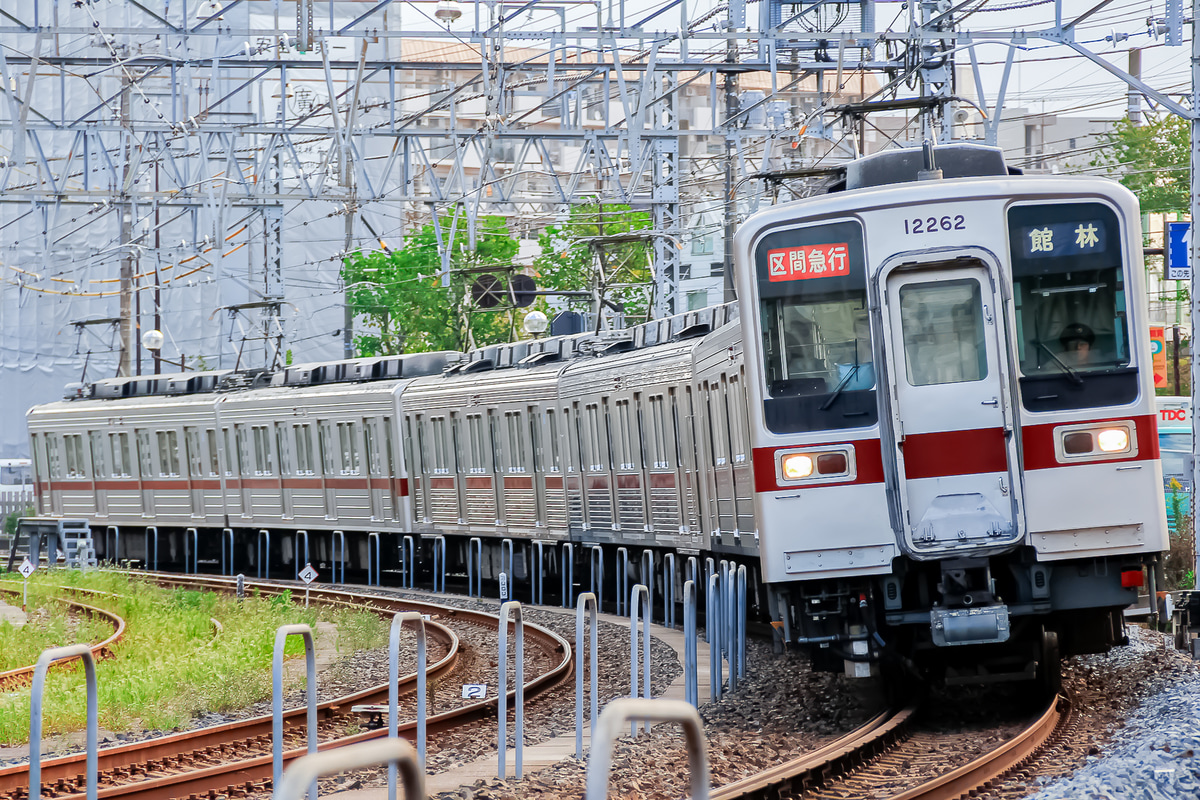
column 797, row 465
column 1096, row 441
column 1113, row 440
column 816, row 465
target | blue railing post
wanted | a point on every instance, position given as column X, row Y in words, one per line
column 339, row 563
column 475, row 567
column 310, row 693
column 408, row 563
column 597, row 585
column 296, row 559
column 566, row 569
column 263, row 559
column 374, row 558
column 691, row 667
column 227, row 544
column 115, row 532
column 398, row 621
column 191, row 537
column 44, row 661
column 622, row 579
column 585, row 605
column 639, row 591
column 151, row 537
column 669, row 590
column 513, row 607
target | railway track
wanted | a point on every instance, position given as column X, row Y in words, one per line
column 235, row 759
column 880, row 753
column 21, row 677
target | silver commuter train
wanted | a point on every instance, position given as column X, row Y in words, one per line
column 938, row 449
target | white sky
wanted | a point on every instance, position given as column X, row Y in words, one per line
column 1046, row 76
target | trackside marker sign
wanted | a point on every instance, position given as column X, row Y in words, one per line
column 808, row 261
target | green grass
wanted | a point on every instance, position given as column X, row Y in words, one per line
column 171, row 664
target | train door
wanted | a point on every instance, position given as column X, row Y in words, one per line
column 287, row 488
column 195, row 470
column 597, row 468
column 417, row 458
column 329, row 467
column 573, row 438
column 395, row 498
column 145, row 456
column 99, row 473
column 662, row 490
column 739, row 437
column 555, row 454
column 951, row 411
column 628, row 463
column 682, row 420
column 518, row 498
column 376, row 478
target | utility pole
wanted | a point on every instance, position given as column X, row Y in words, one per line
column 125, row 210
column 1194, row 256
column 731, row 108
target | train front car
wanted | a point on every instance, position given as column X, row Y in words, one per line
column 955, row 455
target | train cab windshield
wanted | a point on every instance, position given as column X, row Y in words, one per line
column 816, row 333
column 1069, row 296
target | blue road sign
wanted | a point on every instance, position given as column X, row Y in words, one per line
column 1179, row 244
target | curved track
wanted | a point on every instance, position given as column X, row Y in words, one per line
column 877, row 752
column 236, row 757
column 22, row 676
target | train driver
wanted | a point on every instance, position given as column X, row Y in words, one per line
column 1077, row 340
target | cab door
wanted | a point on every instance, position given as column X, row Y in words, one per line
column 955, row 452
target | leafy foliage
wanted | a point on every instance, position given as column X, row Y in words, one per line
column 1152, row 161
column 401, row 296
column 570, row 253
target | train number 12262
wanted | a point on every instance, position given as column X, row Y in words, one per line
column 935, row 224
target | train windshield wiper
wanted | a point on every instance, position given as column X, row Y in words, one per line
column 1072, row 374
column 837, row 390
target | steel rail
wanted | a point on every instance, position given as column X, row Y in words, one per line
column 256, row 769
column 23, row 676
column 810, row 769
column 977, row 774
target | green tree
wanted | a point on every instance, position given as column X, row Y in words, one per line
column 401, row 297
column 1152, row 161
column 599, row 248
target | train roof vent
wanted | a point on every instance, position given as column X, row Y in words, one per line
column 380, row 368
column 903, row 165
column 540, row 357
column 481, row 365
column 417, row 364
column 612, row 348
column 109, row 387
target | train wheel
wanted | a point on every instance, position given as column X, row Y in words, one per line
column 1050, row 663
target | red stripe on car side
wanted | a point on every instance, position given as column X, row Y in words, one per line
column 1037, row 442
column 868, row 460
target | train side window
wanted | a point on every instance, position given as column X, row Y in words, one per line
column 348, row 442
column 591, row 437
column 281, row 446
column 325, row 443
column 514, row 433
column 554, row 464
column 243, row 449
column 304, row 449
column 498, row 454
column 371, row 445
column 944, row 341
column 214, row 457
column 624, row 437
column 718, row 422
column 536, row 439
column 96, row 446
column 73, row 448
column 737, row 421
column 234, row 460
column 168, row 454
column 52, row 455
column 439, row 445
column 262, row 450
column 389, row 438
column 35, row 448
column 123, row 466
column 195, row 456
